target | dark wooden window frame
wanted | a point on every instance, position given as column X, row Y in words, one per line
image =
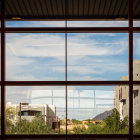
column 3, row 83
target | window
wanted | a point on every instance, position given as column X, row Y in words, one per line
column 29, row 113
column 65, row 64
column 135, row 93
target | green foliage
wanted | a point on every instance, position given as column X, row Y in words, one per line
column 25, row 125
column 124, row 123
column 9, row 121
column 114, row 125
column 36, row 126
column 62, row 131
column 74, row 121
column 94, row 129
column 113, row 122
column 136, row 127
column 79, row 130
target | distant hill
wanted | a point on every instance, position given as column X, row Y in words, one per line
column 103, row 115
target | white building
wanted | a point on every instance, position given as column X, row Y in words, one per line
column 29, row 111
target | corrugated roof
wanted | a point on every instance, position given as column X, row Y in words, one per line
column 76, row 9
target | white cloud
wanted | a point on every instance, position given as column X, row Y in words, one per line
column 87, row 45
column 95, row 68
column 36, row 45
column 45, row 45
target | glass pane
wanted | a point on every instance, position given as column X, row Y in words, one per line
column 136, row 109
column 136, row 23
column 136, row 57
column 98, row 23
column 35, row 24
column 35, row 110
column 97, row 56
column 35, row 57
column 98, row 110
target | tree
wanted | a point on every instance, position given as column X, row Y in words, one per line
column 124, row 123
column 9, row 121
column 36, row 126
column 79, row 130
column 113, row 122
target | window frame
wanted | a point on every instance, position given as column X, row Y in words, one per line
column 3, row 83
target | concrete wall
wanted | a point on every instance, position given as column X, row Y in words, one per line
column 136, row 103
column 121, row 102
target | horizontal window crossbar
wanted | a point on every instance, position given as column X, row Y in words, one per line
column 53, row 83
column 63, row 83
column 70, row 29
column 66, row 29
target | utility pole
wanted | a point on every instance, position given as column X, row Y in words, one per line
column 20, row 118
column 20, row 115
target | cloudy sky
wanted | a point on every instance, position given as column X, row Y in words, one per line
column 91, row 56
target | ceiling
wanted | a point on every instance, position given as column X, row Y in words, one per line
column 75, row 9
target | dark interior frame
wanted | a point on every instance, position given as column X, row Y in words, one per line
column 130, row 29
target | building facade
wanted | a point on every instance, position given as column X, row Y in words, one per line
column 121, row 95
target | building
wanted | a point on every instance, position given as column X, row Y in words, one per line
column 121, row 95
column 29, row 111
